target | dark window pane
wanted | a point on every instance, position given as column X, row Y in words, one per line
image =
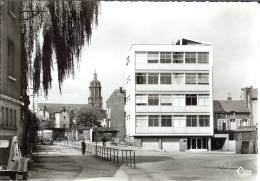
column 198, row 143
column 165, row 78
column 191, row 99
column 140, row 78
column 203, row 57
column 177, row 57
column 190, row 57
column 153, row 78
column 165, row 57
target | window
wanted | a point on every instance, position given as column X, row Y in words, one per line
column 6, row 116
column 233, row 124
column 165, row 78
column 165, row 57
column 153, row 78
column 166, row 121
column 141, row 99
column 153, row 121
column 140, row 78
column 245, row 122
column 179, row 121
column 203, row 78
column 191, row 121
column 203, row 57
column 191, row 99
column 2, row 120
column 15, row 119
column 153, row 99
column 179, row 100
column 203, row 100
column 11, row 118
column 190, row 78
column 166, row 100
column 153, row 57
column 11, row 62
column 239, row 123
column 204, row 120
column 177, row 57
column 220, row 124
column 141, row 121
column 178, row 78
column 190, row 57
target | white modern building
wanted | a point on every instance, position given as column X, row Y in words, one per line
column 169, row 96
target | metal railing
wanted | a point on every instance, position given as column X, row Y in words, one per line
column 113, row 154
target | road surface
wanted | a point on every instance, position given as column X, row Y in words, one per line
column 56, row 162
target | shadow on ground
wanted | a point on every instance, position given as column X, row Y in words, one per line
column 142, row 159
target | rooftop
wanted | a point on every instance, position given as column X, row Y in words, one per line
column 227, row 106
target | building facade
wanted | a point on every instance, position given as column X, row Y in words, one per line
column 95, row 98
column 229, row 116
column 169, row 96
column 116, row 112
column 10, row 67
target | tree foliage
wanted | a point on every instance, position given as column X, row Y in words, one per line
column 88, row 118
column 66, row 26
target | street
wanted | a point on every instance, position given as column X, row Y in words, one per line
column 56, row 162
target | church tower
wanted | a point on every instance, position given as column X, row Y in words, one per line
column 95, row 98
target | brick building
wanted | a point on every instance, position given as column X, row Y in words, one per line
column 10, row 65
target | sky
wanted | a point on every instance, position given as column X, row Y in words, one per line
column 232, row 28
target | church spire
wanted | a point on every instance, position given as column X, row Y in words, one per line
column 95, row 75
column 95, row 98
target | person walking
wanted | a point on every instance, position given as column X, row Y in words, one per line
column 83, row 147
column 104, row 141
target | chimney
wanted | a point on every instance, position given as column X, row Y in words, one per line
column 120, row 90
column 229, row 98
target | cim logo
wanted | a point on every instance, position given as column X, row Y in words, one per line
column 242, row 171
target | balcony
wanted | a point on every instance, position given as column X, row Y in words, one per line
column 171, row 88
column 151, row 109
column 175, row 131
column 172, row 67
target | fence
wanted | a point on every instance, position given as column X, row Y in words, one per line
column 116, row 155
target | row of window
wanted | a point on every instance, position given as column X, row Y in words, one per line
column 172, row 78
column 173, row 99
column 8, row 118
column 172, row 121
column 232, row 124
column 11, row 58
column 178, row 57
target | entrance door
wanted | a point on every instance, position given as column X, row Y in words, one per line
column 224, row 127
column 193, row 143
column 245, row 147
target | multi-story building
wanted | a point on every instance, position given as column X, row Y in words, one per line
column 10, row 67
column 169, row 96
column 116, row 112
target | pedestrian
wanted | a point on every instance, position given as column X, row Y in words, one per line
column 104, row 141
column 83, row 147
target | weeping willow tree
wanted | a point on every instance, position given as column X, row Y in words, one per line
column 53, row 33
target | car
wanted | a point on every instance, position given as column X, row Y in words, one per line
column 12, row 164
column 47, row 141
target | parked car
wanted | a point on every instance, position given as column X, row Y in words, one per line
column 47, row 141
column 12, row 164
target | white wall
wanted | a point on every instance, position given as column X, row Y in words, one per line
column 138, row 63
